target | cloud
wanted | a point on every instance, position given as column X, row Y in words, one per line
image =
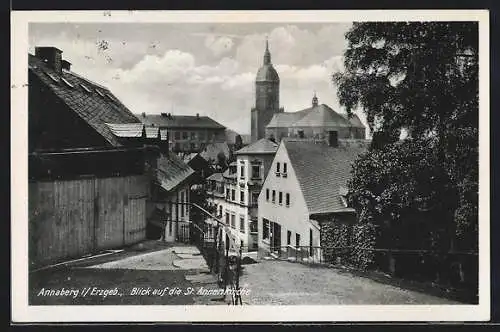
column 214, row 75
column 219, row 45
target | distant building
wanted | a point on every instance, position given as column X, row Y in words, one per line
column 186, row 133
column 234, row 194
column 267, row 97
column 307, row 182
column 315, row 122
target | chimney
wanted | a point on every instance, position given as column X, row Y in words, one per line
column 333, row 140
column 143, row 114
column 197, row 115
column 51, row 56
column 66, row 65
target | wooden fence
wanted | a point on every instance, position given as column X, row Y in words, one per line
column 71, row 218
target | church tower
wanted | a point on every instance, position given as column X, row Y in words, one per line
column 267, row 94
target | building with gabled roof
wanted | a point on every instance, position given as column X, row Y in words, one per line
column 307, row 183
column 234, row 193
column 187, row 133
column 91, row 157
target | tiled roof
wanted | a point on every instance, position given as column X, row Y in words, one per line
column 286, row 119
column 262, row 146
column 323, row 171
column 355, row 121
column 322, row 116
column 179, row 121
column 94, row 103
column 317, row 116
column 215, row 177
column 211, row 151
column 171, row 171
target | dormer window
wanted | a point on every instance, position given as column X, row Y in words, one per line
column 67, row 83
column 99, row 93
column 53, row 77
column 84, row 87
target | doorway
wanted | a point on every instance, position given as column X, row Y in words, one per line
column 275, row 237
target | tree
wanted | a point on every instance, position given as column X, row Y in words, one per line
column 420, row 78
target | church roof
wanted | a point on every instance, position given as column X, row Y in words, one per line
column 262, row 146
column 322, row 116
column 317, row 116
column 267, row 73
column 285, row 119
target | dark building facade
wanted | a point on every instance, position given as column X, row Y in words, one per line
column 267, row 93
column 187, row 133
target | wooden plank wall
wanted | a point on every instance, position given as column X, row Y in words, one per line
column 71, row 218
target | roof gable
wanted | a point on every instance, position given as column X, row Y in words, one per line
column 92, row 102
column 262, row 146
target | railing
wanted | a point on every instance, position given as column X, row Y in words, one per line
column 456, row 268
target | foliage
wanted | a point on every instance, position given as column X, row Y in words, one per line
column 420, row 78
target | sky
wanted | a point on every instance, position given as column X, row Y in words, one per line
column 205, row 68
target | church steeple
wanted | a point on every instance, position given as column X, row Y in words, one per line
column 267, row 54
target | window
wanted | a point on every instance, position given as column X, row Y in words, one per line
column 242, row 171
column 220, row 210
column 233, row 221
column 193, row 135
column 84, row 87
column 182, row 206
column 99, row 93
column 242, row 197
column 255, row 198
column 297, row 240
column 289, row 237
column 265, row 229
column 177, row 147
column 192, row 146
column 274, row 196
column 287, row 199
column 184, row 135
column 280, row 198
column 284, row 170
column 177, row 135
column 66, row 82
column 301, row 134
column 201, row 135
column 227, row 193
column 267, row 195
column 253, row 226
column 277, row 169
column 233, row 195
column 255, row 171
column 242, row 224
column 227, row 218
column 52, row 77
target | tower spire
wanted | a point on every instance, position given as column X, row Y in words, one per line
column 315, row 100
column 267, row 54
